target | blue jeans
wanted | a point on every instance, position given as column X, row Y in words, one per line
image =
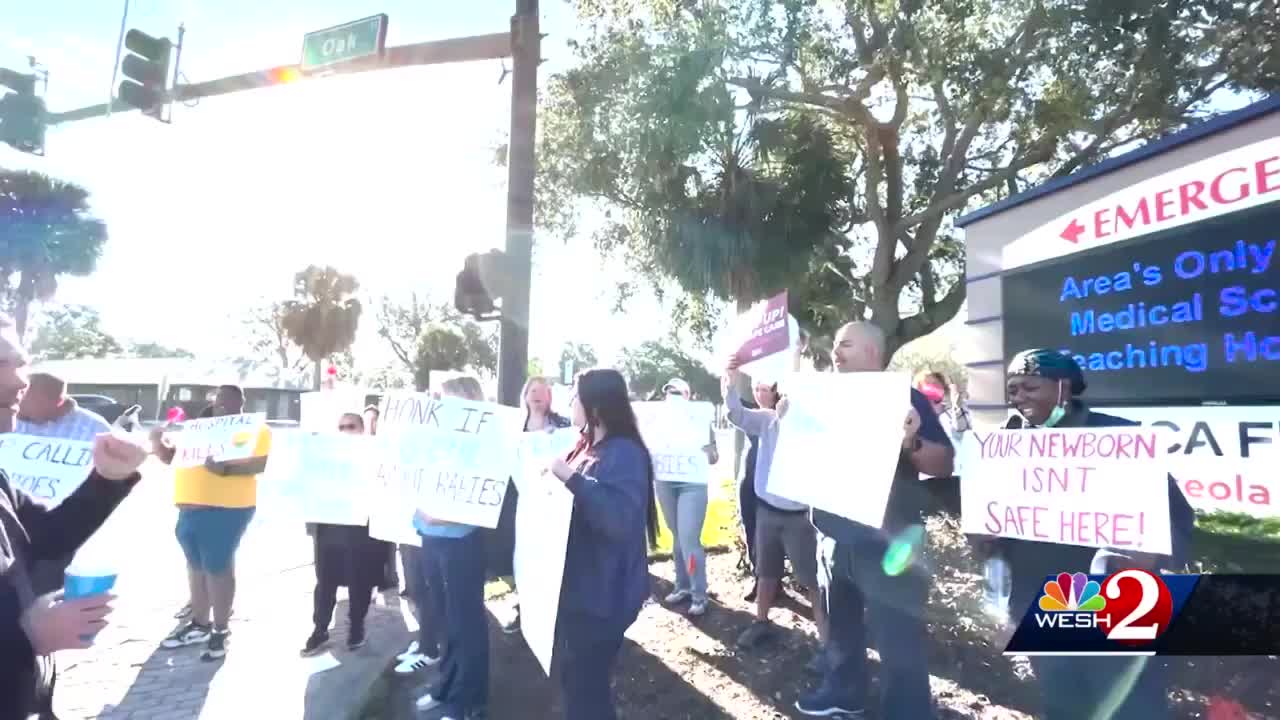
column 860, row 597
column 684, row 509
column 454, row 569
column 1078, row 688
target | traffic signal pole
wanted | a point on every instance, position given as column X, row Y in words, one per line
column 523, row 45
column 513, row 358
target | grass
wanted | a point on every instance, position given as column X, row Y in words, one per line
column 1236, row 543
column 720, row 530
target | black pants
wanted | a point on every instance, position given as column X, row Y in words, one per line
column 326, row 598
column 587, row 649
column 747, row 509
column 454, row 570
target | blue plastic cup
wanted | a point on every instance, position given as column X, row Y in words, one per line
column 80, row 586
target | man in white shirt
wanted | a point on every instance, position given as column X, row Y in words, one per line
column 46, row 411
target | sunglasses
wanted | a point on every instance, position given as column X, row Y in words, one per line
column 348, row 428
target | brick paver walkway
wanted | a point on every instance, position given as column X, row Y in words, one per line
column 126, row 675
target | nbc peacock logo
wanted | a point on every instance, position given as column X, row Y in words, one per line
column 1072, row 593
column 1072, row 601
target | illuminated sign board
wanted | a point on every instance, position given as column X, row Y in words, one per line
column 1186, row 315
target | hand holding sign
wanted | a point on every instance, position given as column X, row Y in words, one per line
column 561, row 469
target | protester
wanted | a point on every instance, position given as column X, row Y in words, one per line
column 345, row 556
column 684, row 508
column 215, row 502
column 860, row 595
column 46, row 411
column 782, row 526
column 1044, row 388
column 606, row 575
column 34, row 626
column 538, row 417
column 453, row 558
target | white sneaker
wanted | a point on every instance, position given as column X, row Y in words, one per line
column 413, row 650
column 677, row 596
column 414, row 663
column 426, row 702
column 698, row 607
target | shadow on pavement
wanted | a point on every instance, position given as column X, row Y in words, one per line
column 343, row 680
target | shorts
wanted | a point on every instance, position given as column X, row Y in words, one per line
column 209, row 536
column 781, row 535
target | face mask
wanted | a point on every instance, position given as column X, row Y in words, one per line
column 1059, row 411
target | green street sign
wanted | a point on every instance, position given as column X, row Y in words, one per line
column 343, row 43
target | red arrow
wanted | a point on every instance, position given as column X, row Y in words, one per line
column 1072, row 233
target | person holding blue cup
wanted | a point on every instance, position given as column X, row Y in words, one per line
column 33, row 627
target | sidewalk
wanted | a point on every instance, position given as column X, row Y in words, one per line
column 126, row 675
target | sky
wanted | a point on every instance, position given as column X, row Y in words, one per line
column 387, row 175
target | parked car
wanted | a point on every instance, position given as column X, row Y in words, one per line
column 107, row 407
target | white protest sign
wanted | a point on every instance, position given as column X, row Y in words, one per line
column 676, row 431
column 228, row 437
column 449, row 457
column 543, row 516
column 1091, row 487
column 1224, row 458
column 328, row 477
column 539, row 448
column 321, row 410
column 48, row 469
column 850, row 421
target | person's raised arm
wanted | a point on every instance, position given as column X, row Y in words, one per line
column 925, row 442
column 60, row 531
column 613, row 497
column 751, row 422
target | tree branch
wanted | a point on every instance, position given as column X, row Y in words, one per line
column 933, row 317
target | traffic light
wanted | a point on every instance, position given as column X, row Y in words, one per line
column 481, row 283
column 22, row 113
column 146, row 72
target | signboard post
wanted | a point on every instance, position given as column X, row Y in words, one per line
column 343, row 43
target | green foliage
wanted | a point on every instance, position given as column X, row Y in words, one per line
column 441, row 347
column 156, row 350
column 46, row 230
column 649, row 367
column 582, row 356
column 72, row 332
column 419, row 332
column 742, row 148
column 266, row 342
column 323, row 316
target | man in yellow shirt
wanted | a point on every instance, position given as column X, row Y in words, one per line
column 215, row 503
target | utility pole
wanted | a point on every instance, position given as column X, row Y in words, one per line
column 513, row 358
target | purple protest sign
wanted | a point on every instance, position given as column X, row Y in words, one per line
column 769, row 334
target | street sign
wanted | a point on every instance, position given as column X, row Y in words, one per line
column 343, row 43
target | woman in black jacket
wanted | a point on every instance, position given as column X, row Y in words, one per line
column 347, row 556
column 1044, row 387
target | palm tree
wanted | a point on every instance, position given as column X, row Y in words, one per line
column 46, row 230
column 323, row 316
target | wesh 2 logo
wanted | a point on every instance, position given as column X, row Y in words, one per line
column 1130, row 607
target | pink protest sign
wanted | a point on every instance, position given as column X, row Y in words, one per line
column 769, row 333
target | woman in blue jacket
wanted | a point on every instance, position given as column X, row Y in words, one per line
column 606, row 573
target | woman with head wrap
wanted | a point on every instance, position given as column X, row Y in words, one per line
column 1044, row 388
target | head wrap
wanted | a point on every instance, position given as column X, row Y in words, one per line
column 1049, row 364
